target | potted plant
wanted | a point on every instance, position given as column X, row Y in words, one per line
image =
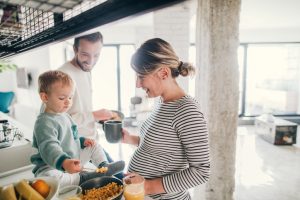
column 6, row 65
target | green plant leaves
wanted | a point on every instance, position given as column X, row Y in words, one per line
column 6, row 65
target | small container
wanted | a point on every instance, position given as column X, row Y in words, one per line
column 7, row 134
column 134, row 187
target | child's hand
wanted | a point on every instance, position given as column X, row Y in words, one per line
column 72, row 165
column 89, row 142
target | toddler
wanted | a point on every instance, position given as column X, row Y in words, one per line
column 61, row 153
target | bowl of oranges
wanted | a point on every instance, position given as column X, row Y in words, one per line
column 40, row 188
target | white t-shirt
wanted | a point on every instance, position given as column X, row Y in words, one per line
column 81, row 110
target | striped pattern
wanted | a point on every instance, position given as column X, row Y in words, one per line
column 174, row 145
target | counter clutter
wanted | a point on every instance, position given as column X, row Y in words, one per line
column 47, row 188
column 18, row 151
column 15, row 172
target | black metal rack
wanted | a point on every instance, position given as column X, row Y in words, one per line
column 30, row 28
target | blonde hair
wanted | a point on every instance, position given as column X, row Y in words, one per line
column 48, row 78
column 156, row 53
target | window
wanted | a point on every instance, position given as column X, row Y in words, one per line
column 272, row 82
column 241, row 55
column 127, row 77
column 113, row 79
column 192, row 59
column 105, row 80
column 269, row 78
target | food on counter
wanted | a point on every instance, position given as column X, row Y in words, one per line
column 8, row 192
column 107, row 192
column 26, row 191
column 41, row 187
column 101, row 170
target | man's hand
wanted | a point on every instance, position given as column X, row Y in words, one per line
column 102, row 114
column 89, row 142
column 71, row 165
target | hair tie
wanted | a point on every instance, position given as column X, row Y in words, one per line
column 180, row 66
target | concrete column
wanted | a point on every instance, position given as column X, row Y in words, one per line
column 217, row 89
column 173, row 25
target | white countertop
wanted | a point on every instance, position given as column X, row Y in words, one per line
column 16, row 157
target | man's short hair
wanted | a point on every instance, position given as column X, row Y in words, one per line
column 93, row 37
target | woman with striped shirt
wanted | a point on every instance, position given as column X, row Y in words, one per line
column 173, row 149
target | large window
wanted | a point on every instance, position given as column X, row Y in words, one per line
column 112, row 78
column 105, row 79
column 271, row 79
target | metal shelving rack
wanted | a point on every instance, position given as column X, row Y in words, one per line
column 29, row 27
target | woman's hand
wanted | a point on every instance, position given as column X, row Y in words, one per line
column 151, row 186
column 71, row 165
column 154, row 186
column 129, row 139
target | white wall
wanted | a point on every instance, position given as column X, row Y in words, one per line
column 36, row 62
column 290, row 34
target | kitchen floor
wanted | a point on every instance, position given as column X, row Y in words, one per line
column 263, row 171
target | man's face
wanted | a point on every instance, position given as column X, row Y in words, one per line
column 87, row 54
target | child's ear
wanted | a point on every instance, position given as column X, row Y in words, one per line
column 44, row 97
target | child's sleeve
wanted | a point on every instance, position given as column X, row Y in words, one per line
column 49, row 146
column 82, row 139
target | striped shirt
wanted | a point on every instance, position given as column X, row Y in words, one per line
column 174, row 145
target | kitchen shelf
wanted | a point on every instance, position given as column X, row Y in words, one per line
column 29, row 28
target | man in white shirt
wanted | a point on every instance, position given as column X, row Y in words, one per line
column 87, row 50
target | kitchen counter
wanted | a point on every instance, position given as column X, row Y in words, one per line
column 16, row 158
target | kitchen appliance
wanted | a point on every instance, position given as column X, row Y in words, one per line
column 8, row 133
column 134, row 101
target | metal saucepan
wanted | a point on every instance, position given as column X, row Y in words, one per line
column 100, row 182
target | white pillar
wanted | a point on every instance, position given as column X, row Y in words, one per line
column 217, row 88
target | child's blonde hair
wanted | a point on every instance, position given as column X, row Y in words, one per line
column 48, row 78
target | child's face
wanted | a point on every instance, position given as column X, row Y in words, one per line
column 59, row 99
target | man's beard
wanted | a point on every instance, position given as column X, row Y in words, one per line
column 81, row 66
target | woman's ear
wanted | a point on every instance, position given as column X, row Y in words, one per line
column 164, row 73
column 44, row 97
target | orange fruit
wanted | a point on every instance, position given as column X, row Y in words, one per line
column 41, row 187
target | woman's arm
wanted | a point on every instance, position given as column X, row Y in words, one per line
column 191, row 128
column 130, row 139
